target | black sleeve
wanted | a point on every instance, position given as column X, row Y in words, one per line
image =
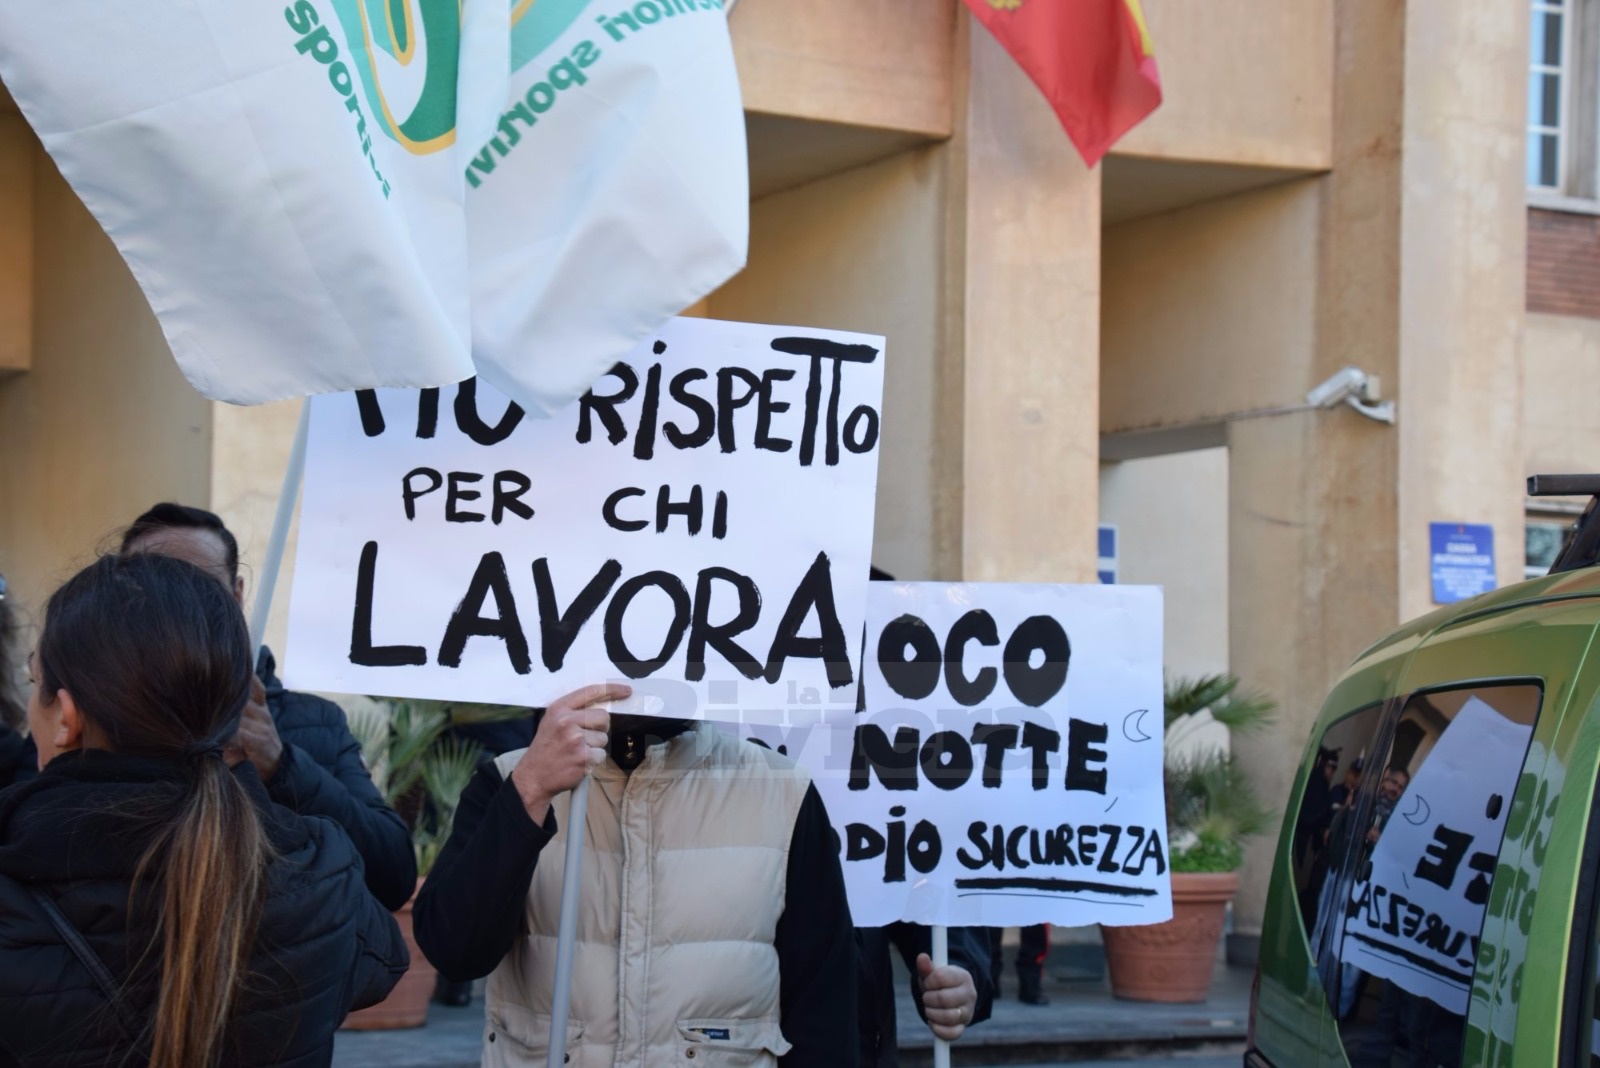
column 470, row 909
column 817, row 949
column 969, row 949
column 345, row 793
column 381, row 958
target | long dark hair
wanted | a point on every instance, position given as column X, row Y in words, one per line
column 155, row 653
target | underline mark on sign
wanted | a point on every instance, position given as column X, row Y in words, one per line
column 1415, row 962
column 1059, row 886
column 1048, row 897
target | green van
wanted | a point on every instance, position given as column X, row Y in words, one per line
column 1434, row 891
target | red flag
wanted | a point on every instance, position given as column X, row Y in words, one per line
column 1092, row 59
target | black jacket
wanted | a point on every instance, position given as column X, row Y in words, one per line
column 18, row 759
column 471, row 909
column 321, row 774
column 323, row 947
column 969, row 949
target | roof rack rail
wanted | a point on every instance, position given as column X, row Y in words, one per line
column 1582, row 547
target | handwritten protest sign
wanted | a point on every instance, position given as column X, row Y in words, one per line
column 1416, row 917
column 1007, row 768
column 698, row 525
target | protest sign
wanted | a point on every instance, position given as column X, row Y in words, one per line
column 697, row 525
column 1007, row 768
column 1415, row 916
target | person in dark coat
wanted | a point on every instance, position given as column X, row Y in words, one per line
column 155, row 906
column 965, row 987
column 1033, row 947
column 300, row 743
column 493, row 738
column 18, row 760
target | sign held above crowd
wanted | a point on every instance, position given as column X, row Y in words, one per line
column 1007, row 768
column 698, row 524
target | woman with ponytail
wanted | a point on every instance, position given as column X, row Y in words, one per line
column 155, row 907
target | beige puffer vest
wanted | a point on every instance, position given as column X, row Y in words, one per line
column 683, row 884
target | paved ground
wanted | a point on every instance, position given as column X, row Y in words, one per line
column 1083, row 1025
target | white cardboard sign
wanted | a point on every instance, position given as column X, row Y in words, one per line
column 1416, row 919
column 1008, row 766
column 698, row 525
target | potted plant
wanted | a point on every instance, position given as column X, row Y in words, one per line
column 1212, row 810
column 421, row 772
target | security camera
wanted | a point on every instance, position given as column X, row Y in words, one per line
column 1351, row 382
column 1359, row 390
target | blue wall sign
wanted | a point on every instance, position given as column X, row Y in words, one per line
column 1462, row 560
column 1108, row 554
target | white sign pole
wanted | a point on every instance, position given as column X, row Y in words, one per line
column 941, row 957
column 292, row 475
column 567, row 931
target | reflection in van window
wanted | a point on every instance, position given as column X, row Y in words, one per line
column 1341, row 759
column 1408, row 861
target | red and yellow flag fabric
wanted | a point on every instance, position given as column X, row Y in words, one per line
column 1092, row 59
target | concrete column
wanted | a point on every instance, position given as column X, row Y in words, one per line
column 1313, row 496
column 1421, row 280
column 1463, row 265
column 1312, row 582
column 1026, row 302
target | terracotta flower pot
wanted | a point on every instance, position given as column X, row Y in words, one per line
column 407, row 1003
column 1173, row 961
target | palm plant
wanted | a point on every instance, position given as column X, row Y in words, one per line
column 420, row 770
column 1212, row 808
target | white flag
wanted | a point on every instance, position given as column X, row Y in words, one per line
column 289, row 182
column 613, row 194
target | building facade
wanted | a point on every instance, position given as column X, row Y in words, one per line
column 1367, row 183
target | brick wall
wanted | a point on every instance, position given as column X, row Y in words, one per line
column 1563, row 263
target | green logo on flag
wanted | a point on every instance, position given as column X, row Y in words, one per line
column 413, row 99
column 407, row 56
column 535, row 25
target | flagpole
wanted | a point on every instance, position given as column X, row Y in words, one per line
column 941, row 957
column 292, row 477
column 567, row 932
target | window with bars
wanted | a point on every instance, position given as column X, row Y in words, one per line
column 1549, row 90
column 1544, row 537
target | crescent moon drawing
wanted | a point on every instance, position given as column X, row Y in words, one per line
column 1419, row 812
column 1133, row 726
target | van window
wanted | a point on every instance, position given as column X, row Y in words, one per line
column 1409, row 858
column 1343, row 753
